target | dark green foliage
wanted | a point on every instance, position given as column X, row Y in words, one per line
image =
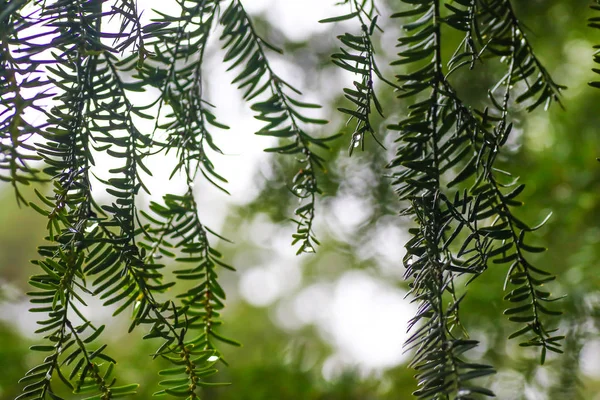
column 444, row 167
column 109, row 244
column 358, row 56
column 16, row 73
column 444, row 170
column 270, row 97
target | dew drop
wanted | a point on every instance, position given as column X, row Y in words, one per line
column 356, row 138
column 212, row 358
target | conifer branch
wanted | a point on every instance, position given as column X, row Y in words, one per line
column 281, row 113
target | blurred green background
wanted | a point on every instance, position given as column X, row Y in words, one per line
column 330, row 325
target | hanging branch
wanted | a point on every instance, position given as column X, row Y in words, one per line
column 358, row 57
column 131, row 277
column 281, row 112
column 179, row 54
column 506, row 38
column 178, row 221
column 427, row 144
column 440, row 134
column 189, row 136
column 16, row 74
column 71, row 220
